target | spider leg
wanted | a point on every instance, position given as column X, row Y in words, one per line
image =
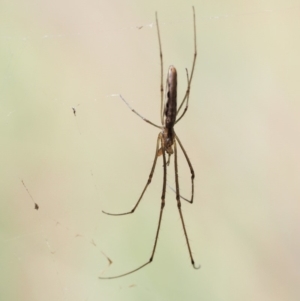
column 161, row 73
column 159, row 221
column 179, row 206
column 191, row 169
column 186, row 98
column 135, row 112
column 187, row 93
column 147, row 184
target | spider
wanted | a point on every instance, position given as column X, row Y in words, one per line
column 167, row 143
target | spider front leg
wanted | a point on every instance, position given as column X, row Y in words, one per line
column 163, row 195
column 147, row 184
column 191, row 169
column 179, row 206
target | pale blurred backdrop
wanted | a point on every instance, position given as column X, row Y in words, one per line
column 241, row 133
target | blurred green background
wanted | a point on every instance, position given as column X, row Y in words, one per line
column 241, row 133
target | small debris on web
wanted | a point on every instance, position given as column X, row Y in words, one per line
column 36, row 206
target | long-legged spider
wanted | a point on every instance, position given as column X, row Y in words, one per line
column 166, row 140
